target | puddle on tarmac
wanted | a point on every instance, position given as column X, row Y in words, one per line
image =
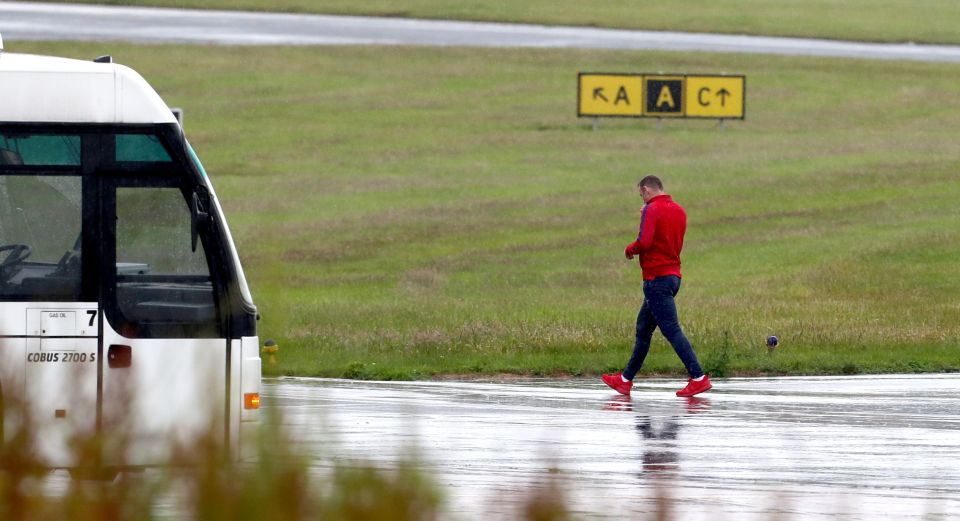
column 800, row 448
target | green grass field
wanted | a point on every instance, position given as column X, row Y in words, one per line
column 928, row 21
column 408, row 212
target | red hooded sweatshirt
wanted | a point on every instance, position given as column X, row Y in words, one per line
column 662, row 225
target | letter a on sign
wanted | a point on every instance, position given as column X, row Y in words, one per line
column 622, row 95
column 664, row 96
column 665, row 99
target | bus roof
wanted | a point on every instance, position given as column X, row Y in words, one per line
column 44, row 89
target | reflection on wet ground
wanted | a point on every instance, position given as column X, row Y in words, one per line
column 763, row 448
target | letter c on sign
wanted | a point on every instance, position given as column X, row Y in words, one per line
column 700, row 93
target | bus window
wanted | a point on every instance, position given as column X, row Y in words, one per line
column 39, row 149
column 40, row 219
column 163, row 287
column 140, row 148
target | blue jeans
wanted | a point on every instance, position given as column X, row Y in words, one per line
column 659, row 310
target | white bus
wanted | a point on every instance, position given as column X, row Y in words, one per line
column 123, row 306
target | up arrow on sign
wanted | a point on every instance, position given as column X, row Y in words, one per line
column 723, row 97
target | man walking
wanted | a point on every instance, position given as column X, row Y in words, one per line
column 662, row 226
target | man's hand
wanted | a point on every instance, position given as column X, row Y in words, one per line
column 628, row 254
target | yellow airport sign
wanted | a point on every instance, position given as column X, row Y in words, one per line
column 664, row 96
column 716, row 96
column 610, row 95
column 661, row 95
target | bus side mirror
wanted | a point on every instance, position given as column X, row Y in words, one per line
column 198, row 218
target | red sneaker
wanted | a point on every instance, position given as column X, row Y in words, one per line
column 693, row 387
column 617, row 384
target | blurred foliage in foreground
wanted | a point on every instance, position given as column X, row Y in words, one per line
column 202, row 485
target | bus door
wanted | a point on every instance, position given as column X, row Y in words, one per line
column 61, row 379
column 48, row 329
column 164, row 379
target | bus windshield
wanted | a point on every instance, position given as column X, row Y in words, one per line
column 40, row 224
column 41, row 202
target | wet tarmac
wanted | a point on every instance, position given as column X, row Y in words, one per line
column 885, row 447
column 40, row 21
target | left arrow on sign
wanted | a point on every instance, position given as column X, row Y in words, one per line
column 598, row 93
